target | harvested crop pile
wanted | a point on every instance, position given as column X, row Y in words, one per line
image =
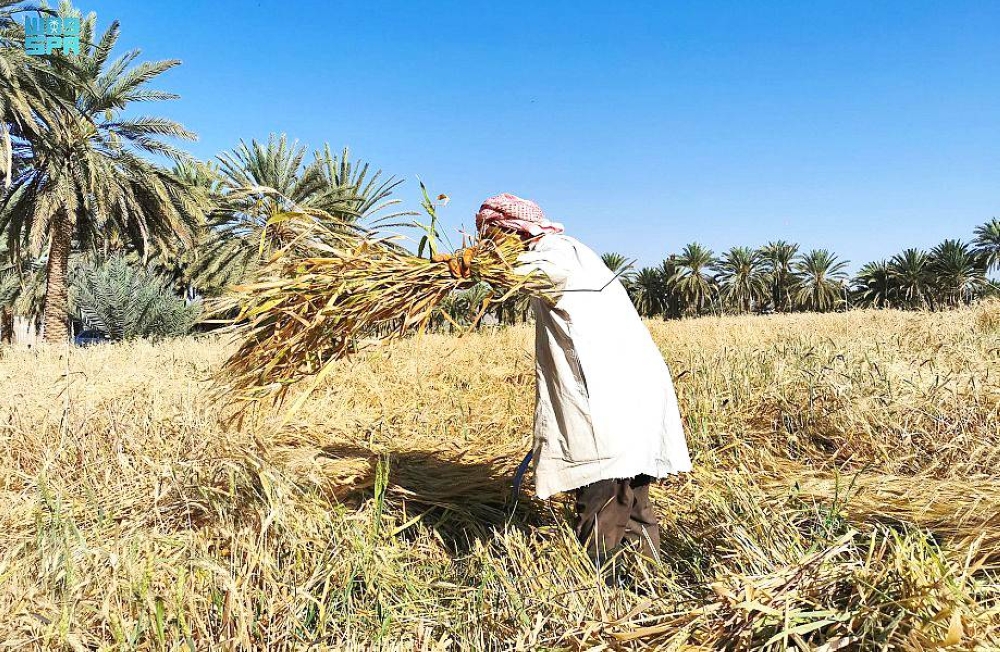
column 308, row 310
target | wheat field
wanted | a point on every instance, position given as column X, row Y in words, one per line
column 844, row 497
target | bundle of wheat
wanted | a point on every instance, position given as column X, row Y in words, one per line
column 307, row 311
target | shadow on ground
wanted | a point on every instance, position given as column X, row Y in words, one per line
column 461, row 499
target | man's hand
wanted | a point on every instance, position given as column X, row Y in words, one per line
column 459, row 264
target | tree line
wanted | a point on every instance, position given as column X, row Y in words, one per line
column 778, row 277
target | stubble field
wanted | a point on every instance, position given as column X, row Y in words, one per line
column 844, row 496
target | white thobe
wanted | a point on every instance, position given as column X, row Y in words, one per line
column 605, row 402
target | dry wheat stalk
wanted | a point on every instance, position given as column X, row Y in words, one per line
column 305, row 311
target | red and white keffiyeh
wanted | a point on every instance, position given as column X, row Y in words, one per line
column 515, row 213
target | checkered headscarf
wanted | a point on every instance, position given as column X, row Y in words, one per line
column 515, row 213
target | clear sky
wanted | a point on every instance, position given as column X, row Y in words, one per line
column 864, row 127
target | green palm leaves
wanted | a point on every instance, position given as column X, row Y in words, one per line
column 778, row 277
column 616, row 262
column 874, row 284
column 822, row 280
column 950, row 274
column 126, row 301
column 649, row 290
column 910, row 281
column 958, row 272
column 742, row 278
column 80, row 175
column 777, row 258
column 987, row 244
column 693, row 278
column 257, row 184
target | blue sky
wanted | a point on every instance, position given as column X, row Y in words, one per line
column 864, row 127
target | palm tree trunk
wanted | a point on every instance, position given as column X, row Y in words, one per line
column 6, row 326
column 55, row 321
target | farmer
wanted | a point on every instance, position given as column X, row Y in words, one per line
column 606, row 417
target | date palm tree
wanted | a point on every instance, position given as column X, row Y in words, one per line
column 254, row 182
column 741, row 278
column 126, row 300
column 22, row 95
column 959, row 274
column 13, row 104
column 177, row 267
column 987, row 244
column 260, row 182
column 778, row 257
column 874, row 285
column 671, row 303
column 83, row 175
column 648, row 292
column 614, row 261
column 621, row 267
column 821, row 280
column 9, row 289
column 366, row 193
column 693, row 280
column 465, row 307
column 911, row 278
column 513, row 310
column 22, row 290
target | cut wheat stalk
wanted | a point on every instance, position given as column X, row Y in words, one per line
column 964, row 510
column 315, row 303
